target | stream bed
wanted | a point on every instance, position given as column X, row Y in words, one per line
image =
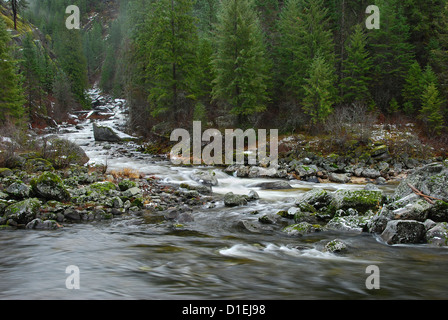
column 211, row 257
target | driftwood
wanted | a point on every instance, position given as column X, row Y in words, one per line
column 421, row 194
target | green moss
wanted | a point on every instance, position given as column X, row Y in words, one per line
column 103, row 187
column 360, row 200
column 126, row 184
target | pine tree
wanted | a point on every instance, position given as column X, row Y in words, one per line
column 439, row 52
column 430, row 111
column 412, row 89
column 391, row 52
column 11, row 93
column 170, row 50
column 356, row 69
column 304, row 29
column 240, row 64
column 320, row 91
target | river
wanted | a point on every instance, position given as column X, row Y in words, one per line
column 211, row 257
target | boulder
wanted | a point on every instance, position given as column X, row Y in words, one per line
column 431, row 180
column 272, row 185
column 339, row 177
column 360, row 200
column 335, row 246
column 207, row 178
column 50, row 187
column 38, row 224
column 438, row 234
column 102, row 133
column 301, row 229
column 18, row 190
column 404, row 231
column 23, row 212
column 371, row 173
column 234, row 200
column 317, row 198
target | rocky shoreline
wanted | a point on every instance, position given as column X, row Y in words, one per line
column 49, row 199
column 409, row 216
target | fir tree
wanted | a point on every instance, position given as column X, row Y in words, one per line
column 356, row 69
column 240, row 64
column 319, row 91
column 170, row 48
column 304, row 29
column 430, row 111
column 11, row 93
column 412, row 89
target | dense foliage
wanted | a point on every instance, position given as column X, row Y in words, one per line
column 286, row 64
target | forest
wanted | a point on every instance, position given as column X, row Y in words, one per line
column 295, row 65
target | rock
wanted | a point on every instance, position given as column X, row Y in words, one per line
column 18, row 190
column 371, row 187
column 23, row 212
column 116, row 203
column 431, row 180
column 252, row 196
column 317, row 198
column 200, row 188
column 207, row 178
column 301, row 229
column 103, row 188
column 233, row 200
column 360, row 200
column 348, row 223
column 270, row 219
column 38, row 165
column 335, row 246
column 72, row 214
column 379, row 151
column 254, row 226
column 5, row 172
column 404, row 231
column 371, row 173
column 438, row 234
column 339, row 177
column 102, row 133
column 305, row 171
column 272, row 185
column 50, row 187
column 417, row 210
column 126, row 184
column 38, row 224
column 132, row 192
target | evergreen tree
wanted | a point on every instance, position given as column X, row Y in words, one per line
column 430, row 111
column 304, row 29
column 11, row 93
column 69, row 48
column 391, row 52
column 412, row 89
column 356, row 69
column 240, row 64
column 320, row 92
column 439, row 51
column 170, row 50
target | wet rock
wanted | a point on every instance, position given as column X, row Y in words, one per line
column 335, row 246
column 348, row 223
column 102, row 133
column 23, row 212
column 72, row 214
column 272, row 185
column 360, row 200
column 38, row 224
column 301, row 229
column 404, row 231
column 50, row 187
column 252, row 196
column 371, row 173
column 316, row 198
column 417, row 210
column 207, row 178
column 438, row 234
column 233, row 200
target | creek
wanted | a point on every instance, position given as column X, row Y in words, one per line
column 211, row 257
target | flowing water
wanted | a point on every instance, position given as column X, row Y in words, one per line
column 211, row 257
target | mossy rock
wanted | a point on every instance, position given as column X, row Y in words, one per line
column 103, row 188
column 5, row 172
column 38, row 165
column 126, row 184
column 23, row 212
column 302, row 228
column 360, row 200
column 50, row 187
